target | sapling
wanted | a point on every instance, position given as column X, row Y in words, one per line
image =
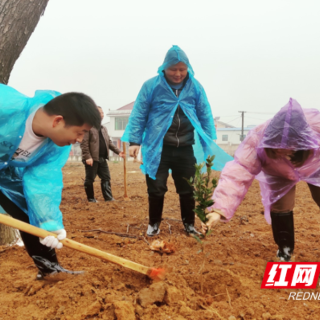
column 203, row 188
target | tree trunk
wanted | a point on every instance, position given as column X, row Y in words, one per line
column 8, row 235
column 18, row 19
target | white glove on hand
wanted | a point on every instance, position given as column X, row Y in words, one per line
column 213, row 218
column 53, row 242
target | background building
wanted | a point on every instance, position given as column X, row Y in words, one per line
column 118, row 121
column 228, row 139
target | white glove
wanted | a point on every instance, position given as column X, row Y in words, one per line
column 213, row 218
column 53, row 242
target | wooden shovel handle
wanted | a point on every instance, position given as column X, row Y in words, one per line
column 14, row 223
column 125, row 170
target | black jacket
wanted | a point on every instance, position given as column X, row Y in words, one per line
column 181, row 131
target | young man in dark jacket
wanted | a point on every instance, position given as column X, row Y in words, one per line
column 95, row 150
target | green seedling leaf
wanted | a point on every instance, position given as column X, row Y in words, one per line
column 198, row 239
column 209, row 203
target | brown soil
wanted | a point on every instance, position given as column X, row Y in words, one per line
column 227, row 285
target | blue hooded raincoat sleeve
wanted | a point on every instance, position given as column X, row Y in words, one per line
column 42, row 186
column 153, row 113
column 35, row 185
column 140, row 113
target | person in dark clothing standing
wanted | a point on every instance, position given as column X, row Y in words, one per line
column 169, row 110
column 95, row 150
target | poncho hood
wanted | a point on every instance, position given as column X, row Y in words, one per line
column 174, row 56
column 289, row 129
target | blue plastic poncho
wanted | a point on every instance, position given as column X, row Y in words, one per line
column 34, row 186
column 153, row 113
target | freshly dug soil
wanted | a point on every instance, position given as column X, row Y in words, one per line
column 224, row 284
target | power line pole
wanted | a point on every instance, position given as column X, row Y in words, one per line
column 242, row 115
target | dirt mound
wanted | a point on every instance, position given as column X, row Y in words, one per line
column 226, row 286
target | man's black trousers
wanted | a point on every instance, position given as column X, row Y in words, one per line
column 182, row 162
column 99, row 168
column 31, row 243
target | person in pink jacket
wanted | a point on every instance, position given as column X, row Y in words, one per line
column 278, row 153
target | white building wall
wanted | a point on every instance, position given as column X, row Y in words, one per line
column 233, row 135
column 233, row 142
column 116, row 135
column 111, row 129
column 111, row 125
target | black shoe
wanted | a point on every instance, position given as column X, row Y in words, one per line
column 41, row 276
column 190, row 229
column 93, row 200
column 48, row 268
column 113, row 199
column 284, row 255
column 153, row 229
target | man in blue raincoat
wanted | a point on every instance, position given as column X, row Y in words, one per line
column 35, row 138
column 169, row 114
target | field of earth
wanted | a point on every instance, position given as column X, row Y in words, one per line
column 221, row 283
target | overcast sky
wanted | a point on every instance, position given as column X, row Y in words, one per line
column 250, row 55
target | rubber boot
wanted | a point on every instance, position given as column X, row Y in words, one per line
column 48, row 268
column 48, row 264
column 106, row 191
column 283, row 234
column 155, row 214
column 187, row 205
column 88, row 187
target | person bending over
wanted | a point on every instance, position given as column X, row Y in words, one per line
column 35, row 138
column 279, row 153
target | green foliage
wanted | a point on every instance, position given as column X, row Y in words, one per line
column 198, row 239
column 203, row 188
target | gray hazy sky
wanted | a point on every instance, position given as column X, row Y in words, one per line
column 249, row 55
